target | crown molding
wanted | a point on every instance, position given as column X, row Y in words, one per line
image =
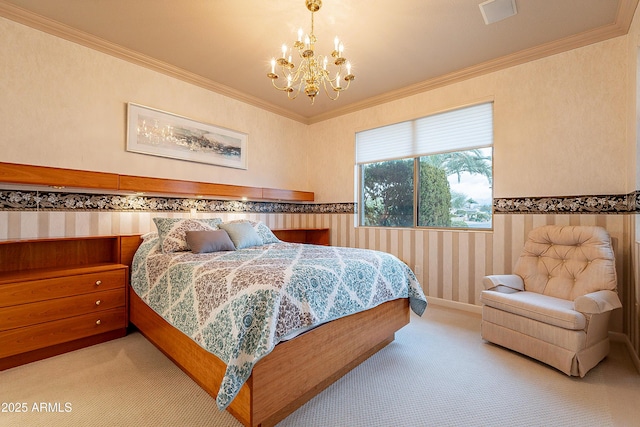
column 626, row 11
column 624, row 18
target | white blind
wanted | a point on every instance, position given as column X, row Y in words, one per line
column 385, row 143
column 463, row 129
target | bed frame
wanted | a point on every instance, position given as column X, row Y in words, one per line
column 289, row 376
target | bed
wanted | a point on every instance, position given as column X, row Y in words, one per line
column 265, row 326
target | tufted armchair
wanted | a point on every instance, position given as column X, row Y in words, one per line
column 556, row 306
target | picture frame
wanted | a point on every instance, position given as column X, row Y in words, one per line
column 163, row 134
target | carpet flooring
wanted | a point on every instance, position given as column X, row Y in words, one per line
column 438, row 372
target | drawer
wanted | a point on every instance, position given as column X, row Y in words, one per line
column 45, row 289
column 60, row 308
column 29, row 338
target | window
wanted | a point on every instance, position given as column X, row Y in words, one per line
column 435, row 171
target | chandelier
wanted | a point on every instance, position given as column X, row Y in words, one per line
column 312, row 72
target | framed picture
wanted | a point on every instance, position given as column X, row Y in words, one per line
column 163, row 134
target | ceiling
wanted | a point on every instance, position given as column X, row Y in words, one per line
column 396, row 47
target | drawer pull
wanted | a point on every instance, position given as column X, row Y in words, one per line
column 98, row 282
column 98, row 302
column 98, row 322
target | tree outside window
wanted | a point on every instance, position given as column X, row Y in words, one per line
column 388, row 193
column 466, row 198
column 453, row 191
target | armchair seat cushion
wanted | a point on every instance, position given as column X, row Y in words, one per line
column 543, row 308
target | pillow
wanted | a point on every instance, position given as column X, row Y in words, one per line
column 172, row 231
column 242, row 234
column 261, row 228
column 149, row 236
column 265, row 233
column 207, row 241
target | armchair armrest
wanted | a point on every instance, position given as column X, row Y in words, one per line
column 597, row 302
column 506, row 283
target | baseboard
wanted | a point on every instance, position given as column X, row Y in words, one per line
column 455, row 304
column 620, row 337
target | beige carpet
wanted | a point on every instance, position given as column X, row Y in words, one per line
column 438, row 372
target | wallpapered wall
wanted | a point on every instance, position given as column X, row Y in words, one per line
column 450, row 264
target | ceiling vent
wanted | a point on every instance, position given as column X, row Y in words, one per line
column 497, row 10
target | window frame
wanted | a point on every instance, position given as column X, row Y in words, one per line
column 360, row 171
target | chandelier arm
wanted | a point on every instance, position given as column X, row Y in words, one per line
column 335, row 82
column 326, row 91
column 297, row 92
column 278, row 87
column 348, row 83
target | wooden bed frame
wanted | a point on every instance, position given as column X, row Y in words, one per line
column 289, row 376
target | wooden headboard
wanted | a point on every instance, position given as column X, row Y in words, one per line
column 128, row 246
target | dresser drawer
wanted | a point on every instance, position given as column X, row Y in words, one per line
column 29, row 338
column 45, row 289
column 60, row 308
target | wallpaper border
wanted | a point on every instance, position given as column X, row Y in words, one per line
column 18, row 200
column 602, row 204
column 12, row 200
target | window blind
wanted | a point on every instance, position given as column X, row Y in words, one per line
column 385, row 143
column 462, row 129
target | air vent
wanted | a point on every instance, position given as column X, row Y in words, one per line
column 497, row 10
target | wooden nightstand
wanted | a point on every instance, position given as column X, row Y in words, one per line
column 315, row 236
column 58, row 295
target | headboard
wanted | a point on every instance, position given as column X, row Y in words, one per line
column 128, row 246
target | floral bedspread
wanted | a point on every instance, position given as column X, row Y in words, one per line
column 239, row 304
